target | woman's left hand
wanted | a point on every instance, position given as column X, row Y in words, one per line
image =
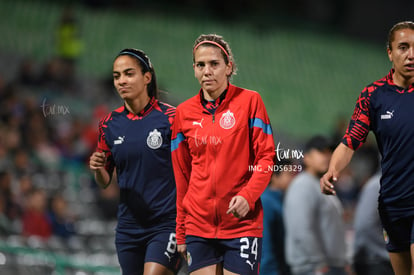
column 238, row 206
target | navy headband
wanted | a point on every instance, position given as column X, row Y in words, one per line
column 137, row 56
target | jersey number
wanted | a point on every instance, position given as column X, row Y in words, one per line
column 246, row 246
column 172, row 244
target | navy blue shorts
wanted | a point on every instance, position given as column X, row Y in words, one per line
column 240, row 255
column 160, row 247
column 399, row 234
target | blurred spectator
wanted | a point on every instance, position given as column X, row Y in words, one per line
column 6, row 225
column 38, row 137
column 61, row 219
column 12, row 116
column 27, row 74
column 69, row 44
column 72, row 140
column 363, row 165
column 4, row 159
column 11, row 136
column 370, row 256
column 347, row 193
column 23, row 188
column 11, row 208
column 35, row 221
column 315, row 230
column 52, row 74
column 365, row 162
column 45, row 152
column 21, row 162
column 273, row 249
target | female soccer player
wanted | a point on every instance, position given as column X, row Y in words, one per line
column 135, row 139
column 386, row 108
column 222, row 149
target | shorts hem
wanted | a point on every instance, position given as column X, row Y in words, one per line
column 192, row 268
column 398, row 250
column 168, row 266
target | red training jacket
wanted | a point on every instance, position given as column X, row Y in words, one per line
column 216, row 157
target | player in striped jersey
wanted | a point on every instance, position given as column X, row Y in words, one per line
column 386, row 108
column 135, row 140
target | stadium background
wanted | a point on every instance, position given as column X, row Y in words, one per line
column 308, row 59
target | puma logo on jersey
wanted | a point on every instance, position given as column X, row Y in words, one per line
column 198, row 123
column 388, row 115
column 168, row 255
column 120, row 140
column 251, row 264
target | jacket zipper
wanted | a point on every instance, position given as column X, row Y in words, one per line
column 216, row 218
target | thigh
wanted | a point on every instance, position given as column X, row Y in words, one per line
column 203, row 254
column 162, row 249
column 215, row 269
column 242, row 255
column 131, row 257
column 151, row 268
column 398, row 234
column 401, row 262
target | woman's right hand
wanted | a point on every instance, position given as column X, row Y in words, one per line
column 97, row 161
column 327, row 182
column 182, row 249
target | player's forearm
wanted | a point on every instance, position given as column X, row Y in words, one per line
column 340, row 158
column 102, row 177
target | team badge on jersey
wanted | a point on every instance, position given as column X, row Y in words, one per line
column 227, row 120
column 154, row 139
column 189, row 258
column 386, row 239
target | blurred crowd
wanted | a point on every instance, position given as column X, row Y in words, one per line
column 48, row 129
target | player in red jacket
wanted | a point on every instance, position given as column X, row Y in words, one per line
column 222, row 151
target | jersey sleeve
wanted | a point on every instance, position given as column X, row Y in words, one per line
column 263, row 147
column 181, row 160
column 359, row 126
column 104, row 147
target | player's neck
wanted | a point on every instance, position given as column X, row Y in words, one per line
column 212, row 95
column 402, row 81
column 137, row 105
